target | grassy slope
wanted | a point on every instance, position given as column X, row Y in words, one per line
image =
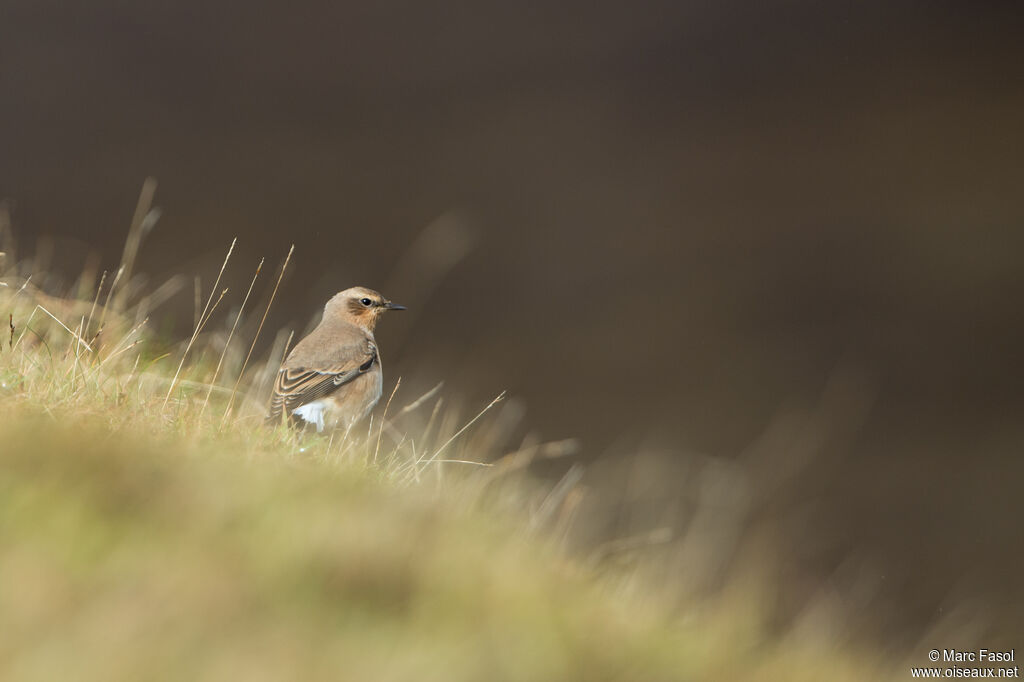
column 143, row 541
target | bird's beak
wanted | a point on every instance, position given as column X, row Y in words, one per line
column 388, row 305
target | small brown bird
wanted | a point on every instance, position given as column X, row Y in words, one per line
column 332, row 378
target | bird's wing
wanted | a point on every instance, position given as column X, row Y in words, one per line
column 296, row 385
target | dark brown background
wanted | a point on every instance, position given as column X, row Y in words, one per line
column 685, row 216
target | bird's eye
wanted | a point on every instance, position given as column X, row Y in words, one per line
column 365, row 301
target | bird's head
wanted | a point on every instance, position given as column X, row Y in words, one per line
column 360, row 306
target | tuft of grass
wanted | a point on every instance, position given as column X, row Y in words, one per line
column 153, row 527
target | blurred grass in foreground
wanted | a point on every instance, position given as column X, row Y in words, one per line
column 159, row 534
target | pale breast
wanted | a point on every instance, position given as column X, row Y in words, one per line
column 354, row 400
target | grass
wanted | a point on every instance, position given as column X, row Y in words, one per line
column 152, row 527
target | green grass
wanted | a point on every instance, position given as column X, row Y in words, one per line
column 148, row 534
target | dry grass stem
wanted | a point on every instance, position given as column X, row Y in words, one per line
column 202, row 321
column 231, row 334
column 241, row 372
column 458, row 433
column 383, row 417
column 73, row 334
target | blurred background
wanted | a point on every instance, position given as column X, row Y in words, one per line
column 685, row 229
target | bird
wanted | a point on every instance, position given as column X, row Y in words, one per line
column 332, row 378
